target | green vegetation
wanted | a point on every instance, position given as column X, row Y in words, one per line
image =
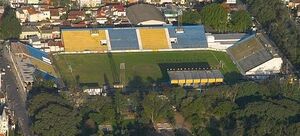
column 190, row 17
column 151, row 66
column 271, row 108
column 215, row 16
column 9, row 26
column 240, row 21
column 276, row 21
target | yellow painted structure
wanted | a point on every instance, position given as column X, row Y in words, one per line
column 174, row 82
column 154, row 39
column 43, row 66
column 219, row 80
column 83, row 40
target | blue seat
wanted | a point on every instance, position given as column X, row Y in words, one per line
column 193, row 37
column 123, row 39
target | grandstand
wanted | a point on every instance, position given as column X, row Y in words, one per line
column 194, row 77
column 123, row 39
column 79, row 40
column 44, row 67
column 36, row 53
column 193, row 37
column 154, row 38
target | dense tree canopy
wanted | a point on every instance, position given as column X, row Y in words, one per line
column 215, row 16
column 275, row 20
column 240, row 21
column 191, row 17
column 52, row 115
column 9, row 26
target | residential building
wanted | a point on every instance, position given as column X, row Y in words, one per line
column 294, row 3
column 4, row 120
column 33, row 2
column 35, row 41
column 89, row 3
column 230, row 1
column 74, row 15
column 28, row 30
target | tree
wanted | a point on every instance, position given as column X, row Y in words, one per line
column 56, row 120
column 191, row 17
column 215, row 16
column 10, row 26
column 156, row 107
column 240, row 21
column 52, row 115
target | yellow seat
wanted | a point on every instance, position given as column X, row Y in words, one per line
column 154, row 39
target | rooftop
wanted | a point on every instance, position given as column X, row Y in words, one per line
column 143, row 12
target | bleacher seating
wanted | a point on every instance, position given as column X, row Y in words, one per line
column 193, row 37
column 154, row 38
column 36, row 53
column 42, row 66
column 78, row 40
column 123, row 39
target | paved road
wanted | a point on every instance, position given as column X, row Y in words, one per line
column 16, row 95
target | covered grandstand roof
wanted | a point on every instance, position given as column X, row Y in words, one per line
column 250, row 53
column 139, row 13
column 195, row 76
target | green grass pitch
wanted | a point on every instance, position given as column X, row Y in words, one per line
column 94, row 67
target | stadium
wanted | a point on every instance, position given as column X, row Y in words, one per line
column 134, row 39
column 93, row 55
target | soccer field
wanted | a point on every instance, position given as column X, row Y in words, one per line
column 89, row 68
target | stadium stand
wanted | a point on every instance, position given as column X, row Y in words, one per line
column 193, row 37
column 154, row 38
column 255, row 55
column 195, row 77
column 42, row 66
column 78, row 40
column 36, row 53
column 123, row 39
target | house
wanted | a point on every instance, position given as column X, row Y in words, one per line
column 46, row 33
column 4, row 120
column 55, row 46
column 29, row 30
column 33, row 2
column 2, row 97
column 21, row 15
column 55, row 32
column 54, row 14
column 35, row 41
column 144, row 14
column 158, row 1
column 89, row 3
column 16, row 3
column 230, row 1
column 74, row 15
column 255, row 57
column 293, row 4
column 118, row 10
column 101, row 16
column 92, row 89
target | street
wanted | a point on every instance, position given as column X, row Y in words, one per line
column 15, row 94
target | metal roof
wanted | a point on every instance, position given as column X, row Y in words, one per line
column 143, row 12
column 249, row 53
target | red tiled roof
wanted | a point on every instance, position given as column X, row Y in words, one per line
column 119, row 8
column 31, row 10
column 100, row 13
column 54, row 12
column 55, row 43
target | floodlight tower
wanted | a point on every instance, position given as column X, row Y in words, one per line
column 179, row 28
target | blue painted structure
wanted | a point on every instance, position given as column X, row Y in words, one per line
column 123, row 39
column 36, row 53
column 193, row 37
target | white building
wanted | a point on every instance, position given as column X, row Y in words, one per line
column 89, row 3
column 223, row 41
column 231, row 1
column 4, row 122
column 255, row 57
